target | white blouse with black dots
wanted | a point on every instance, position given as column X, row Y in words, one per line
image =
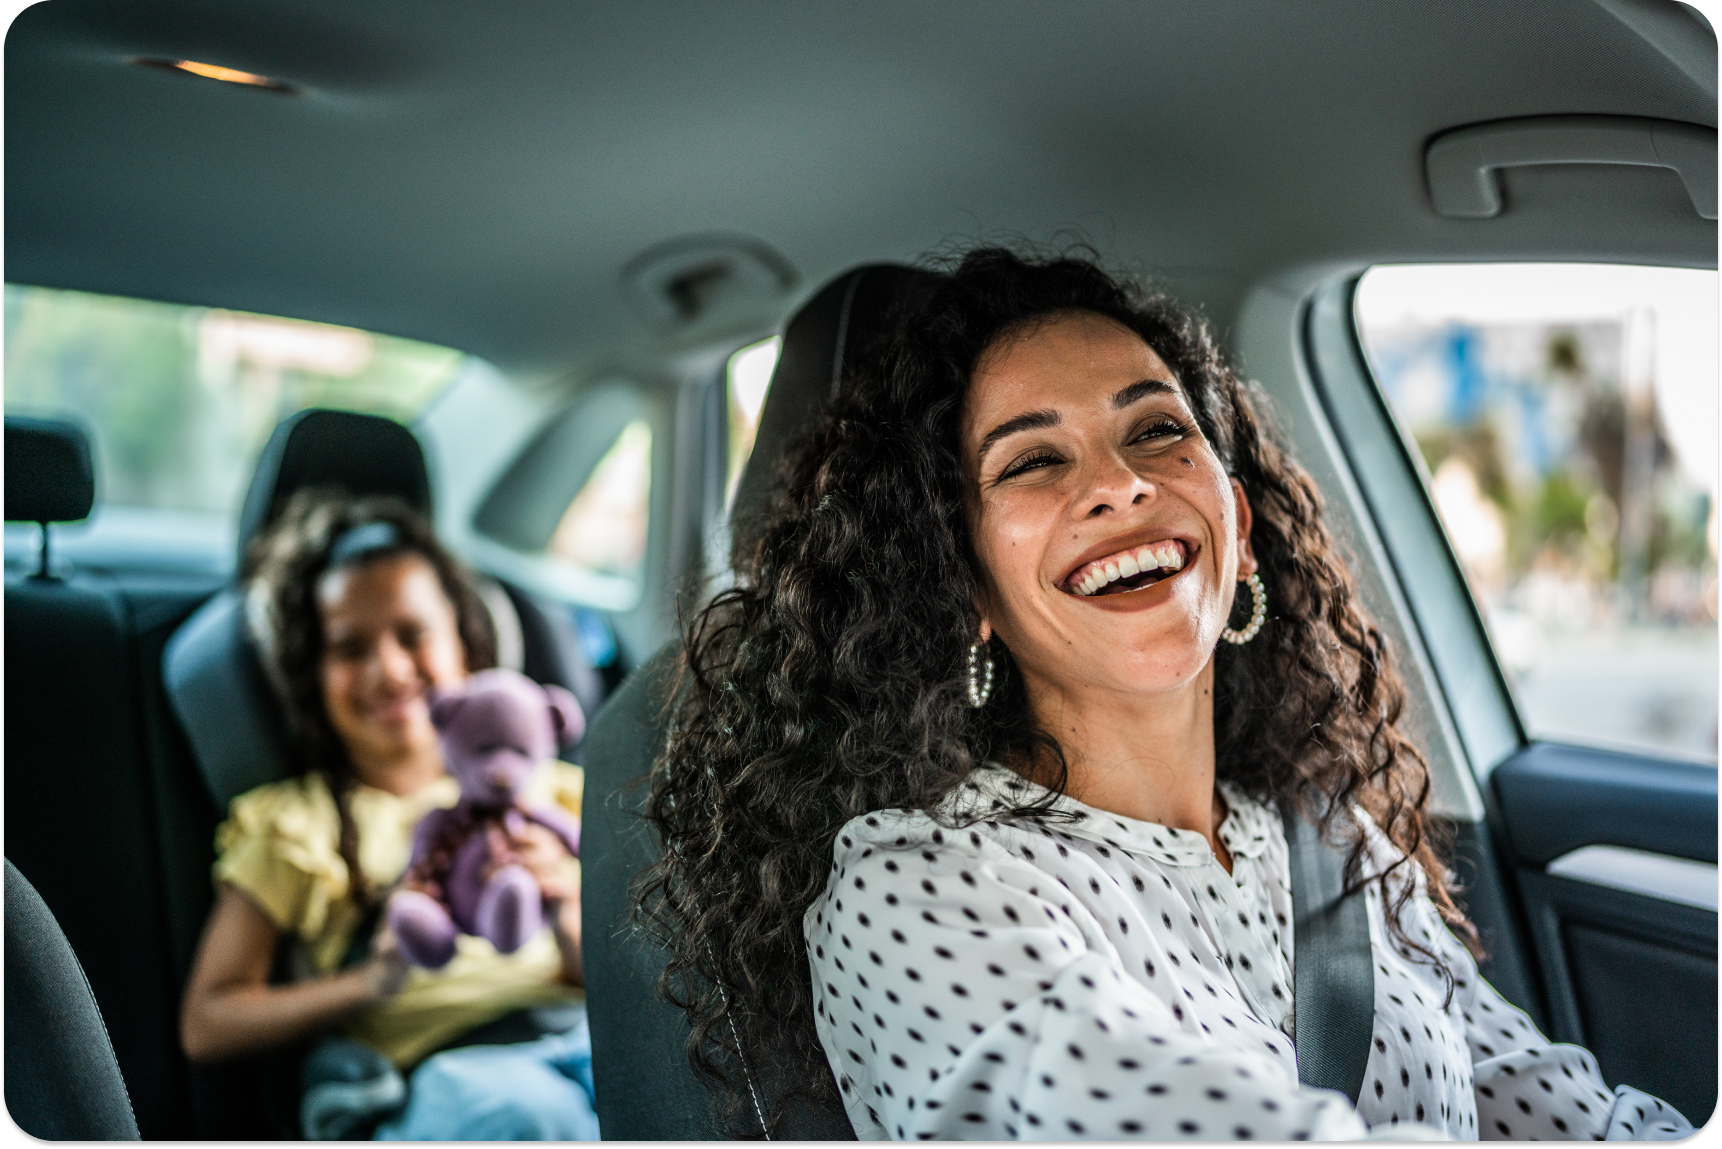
column 1106, row 978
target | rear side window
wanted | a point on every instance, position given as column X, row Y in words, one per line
column 181, row 399
column 746, row 380
column 1566, row 415
column 604, row 527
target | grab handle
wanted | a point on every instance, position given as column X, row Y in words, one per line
column 1461, row 164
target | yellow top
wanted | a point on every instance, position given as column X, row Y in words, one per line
column 280, row 847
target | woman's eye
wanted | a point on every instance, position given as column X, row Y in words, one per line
column 1161, row 429
column 1030, row 463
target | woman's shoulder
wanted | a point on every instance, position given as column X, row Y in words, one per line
column 948, row 830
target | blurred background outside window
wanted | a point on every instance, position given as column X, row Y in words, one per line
column 604, row 527
column 1567, row 415
column 747, row 379
column 180, row 400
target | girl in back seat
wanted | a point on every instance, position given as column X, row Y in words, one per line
column 359, row 613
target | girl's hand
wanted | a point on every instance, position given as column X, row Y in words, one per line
column 543, row 854
column 385, row 970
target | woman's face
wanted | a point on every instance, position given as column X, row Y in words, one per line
column 389, row 636
column 1109, row 535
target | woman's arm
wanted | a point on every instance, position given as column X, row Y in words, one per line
column 1531, row 1088
column 229, row 1009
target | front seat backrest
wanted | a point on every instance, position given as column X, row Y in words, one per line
column 63, row 1082
column 645, row 1089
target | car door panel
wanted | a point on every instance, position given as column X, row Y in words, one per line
column 1627, row 973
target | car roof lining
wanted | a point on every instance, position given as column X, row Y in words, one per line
column 481, row 175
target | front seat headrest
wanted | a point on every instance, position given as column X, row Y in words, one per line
column 359, row 454
column 821, row 341
column 49, row 476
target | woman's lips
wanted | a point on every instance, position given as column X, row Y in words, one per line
column 1130, row 569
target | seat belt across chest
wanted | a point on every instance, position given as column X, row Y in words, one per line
column 1334, row 975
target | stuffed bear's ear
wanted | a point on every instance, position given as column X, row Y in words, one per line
column 444, row 706
column 565, row 715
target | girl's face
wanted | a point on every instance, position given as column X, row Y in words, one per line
column 389, row 636
column 1110, row 537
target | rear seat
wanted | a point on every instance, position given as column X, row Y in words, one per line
column 81, row 796
column 109, row 815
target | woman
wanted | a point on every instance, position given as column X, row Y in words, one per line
column 974, row 783
column 360, row 614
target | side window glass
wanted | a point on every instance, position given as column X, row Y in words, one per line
column 604, row 527
column 1567, row 417
column 746, row 381
column 180, row 400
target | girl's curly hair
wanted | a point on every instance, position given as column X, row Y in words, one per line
column 283, row 565
column 830, row 680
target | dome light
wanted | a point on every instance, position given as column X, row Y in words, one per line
column 215, row 72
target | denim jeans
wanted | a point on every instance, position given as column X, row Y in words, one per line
column 532, row 1091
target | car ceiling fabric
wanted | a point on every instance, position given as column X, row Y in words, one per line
column 479, row 175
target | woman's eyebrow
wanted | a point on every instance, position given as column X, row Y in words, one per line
column 1142, row 390
column 1027, row 421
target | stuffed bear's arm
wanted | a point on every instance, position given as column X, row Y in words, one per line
column 425, row 835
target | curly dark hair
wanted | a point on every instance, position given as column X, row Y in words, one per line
column 829, row 681
column 284, row 565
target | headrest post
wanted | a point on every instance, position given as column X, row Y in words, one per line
column 42, row 571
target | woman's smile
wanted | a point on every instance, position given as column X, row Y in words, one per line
column 1130, row 567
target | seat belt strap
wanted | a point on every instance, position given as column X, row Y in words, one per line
column 1334, row 991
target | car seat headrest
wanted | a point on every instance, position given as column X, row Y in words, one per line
column 827, row 335
column 358, row 454
column 49, row 475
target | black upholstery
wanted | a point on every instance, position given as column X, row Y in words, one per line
column 63, row 1082
column 360, row 454
column 645, row 1088
column 79, row 812
column 830, row 330
column 49, row 476
column 221, row 697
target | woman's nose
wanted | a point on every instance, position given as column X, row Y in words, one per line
column 1112, row 486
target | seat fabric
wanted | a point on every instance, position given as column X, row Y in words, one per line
column 646, row 1089
column 79, row 807
column 63, row 1082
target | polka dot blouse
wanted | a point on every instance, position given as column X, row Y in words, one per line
column 1106, row 978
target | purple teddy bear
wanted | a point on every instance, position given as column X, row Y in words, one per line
column 496, row 730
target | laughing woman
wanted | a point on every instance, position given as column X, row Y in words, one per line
column 975, row 782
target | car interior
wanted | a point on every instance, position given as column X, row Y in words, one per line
column 604, row 213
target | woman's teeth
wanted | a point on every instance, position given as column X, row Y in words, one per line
column 1097, row 575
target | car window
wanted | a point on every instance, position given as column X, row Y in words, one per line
column 180, row 400
column 604, row 527
column 1566, row 416
column 746, row 380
